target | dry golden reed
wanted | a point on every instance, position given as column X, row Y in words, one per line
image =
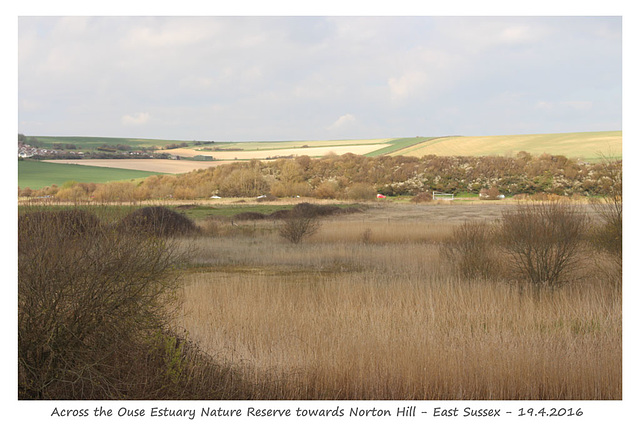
column 353, row 314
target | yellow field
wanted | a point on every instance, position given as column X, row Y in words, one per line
column 272, row 145
column 585, row 145
column 319, row 148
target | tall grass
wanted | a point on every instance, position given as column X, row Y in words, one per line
column 363, row 336
column 362, row 311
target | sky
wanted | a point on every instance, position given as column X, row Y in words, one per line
column 317, row 77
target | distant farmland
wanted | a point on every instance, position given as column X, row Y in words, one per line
column 586, row 146
column 312, row 150
column 583, row 145
column 88, row 143
column 34, row 174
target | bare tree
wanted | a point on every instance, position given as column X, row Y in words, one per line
column 297, row 227
column 608, row 234
column 543, row 242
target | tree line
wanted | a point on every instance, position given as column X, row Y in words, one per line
column 352, row 176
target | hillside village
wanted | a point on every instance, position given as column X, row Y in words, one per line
column 26, row 151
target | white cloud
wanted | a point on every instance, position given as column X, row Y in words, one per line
column 291, row 77
column 169, row 33
column 407, row 85
column 135, row 119
column 343, row 122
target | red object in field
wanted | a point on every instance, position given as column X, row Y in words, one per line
column 381, row 196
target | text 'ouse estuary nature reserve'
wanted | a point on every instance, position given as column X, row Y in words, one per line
column 329, row 412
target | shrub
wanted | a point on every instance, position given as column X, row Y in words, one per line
column 25, row 192
column 543, row 242
column 310, row 210
column 361, row 191
column 246, row 181
column 115, row 192
column 471, row 250
column 297, row 227
column 490, row 194
column 326, row 190
column 281, row 214
column 249, row 216
column 608, row 236
column 69, row 222
column 88, row 299
column 423, row 197
column 158, row 221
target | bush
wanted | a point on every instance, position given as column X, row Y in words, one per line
column 297, row 227
column 423, row 197
column 471, row 249
column 310, row 210
column 326, row 190
column 70, row 222
column 361, row 191
column 249, row 216
column 89, row 301
column 544, row 242
column 158, row 221
column 490, row 194
column 607, row 235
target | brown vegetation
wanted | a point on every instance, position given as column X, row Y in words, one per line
column 157, row 221
column 359, row 178
column 296, row 227
column 398, row 302
column 342, row 317
column 472, row 250
column 543, row 242
column 88, row 298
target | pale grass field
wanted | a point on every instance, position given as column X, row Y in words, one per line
column 148, row 165
column 272, row 145
column 222, row 157
column 587, row 145
column 264, row 154
column 358, row 314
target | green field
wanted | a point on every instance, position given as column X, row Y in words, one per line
column 588, row 146
column 34, row 174
column 91, row 143
column 399, row 144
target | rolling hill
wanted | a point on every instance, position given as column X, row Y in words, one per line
column 583, row 145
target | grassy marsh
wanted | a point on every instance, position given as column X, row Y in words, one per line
column 368, row 309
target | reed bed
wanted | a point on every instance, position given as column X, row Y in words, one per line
column 361, row 336
column 351, row 316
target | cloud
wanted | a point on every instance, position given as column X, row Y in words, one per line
column 292, row 77
column 408, row 84
column 343, row 122
column 136, row 119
